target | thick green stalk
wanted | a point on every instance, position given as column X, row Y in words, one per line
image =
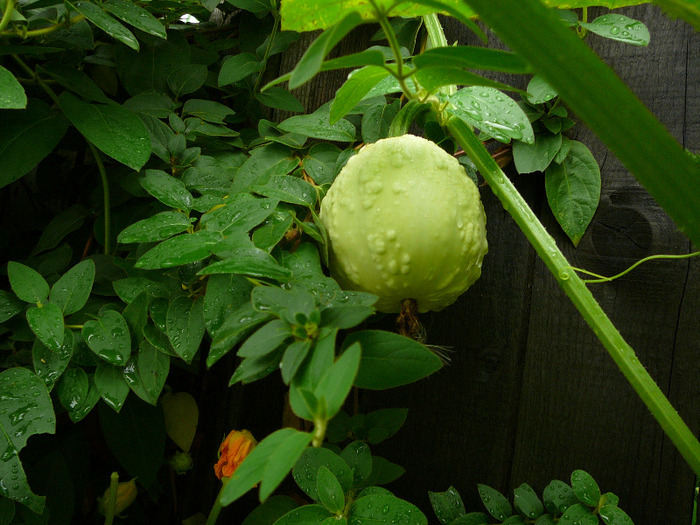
column 113, row 487
column 7, row 14
column 623, row 355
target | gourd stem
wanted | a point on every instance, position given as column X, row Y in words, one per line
column 545, row 246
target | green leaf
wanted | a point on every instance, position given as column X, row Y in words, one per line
column 12, row 95
column 26, row 137
column 529, row 158
column 130, row 288
column 183, row 249
column 305, row 515
column 619, row 27
column 152, row 104
column 9, row 306
column 27, row 283
column 390, row 360
column 336, row 383
column 47, row 324
column 358, row 84
column 688, row 11
column 27, row 411
column 78, row 412
column 539, row 91
column 238, row 67
column 493, row 113
column 330, row 493
column 376, row 122
column 146, row 372
column 249, row 261
column 72, row 388
column 224, row 295
column 156, row 228
column 109, row 338
column 382, row 424
column 344, row 317
column 448, row 505
column 558, row 496
column 320, row 161
column 527, row 503
column 185, row 326
column 207, row 110
column 305, row 472
column 136, row 436
column 473, row 58
column 7, row 511
column 613, row 515
column 266, row 339
column 287, row 188
column 496, row 503
column 268, row 464
column 110, row 383
column 187, row 79
column 383, row 471
column 105, row 22
column 359, row 458
column 385, row 509
column 254, row 368
column 578, row 514
column 72, row 290
column 48, row 364
column 272, row 231
column 234, row 327
column 602, row 101
column 280, row 98
column 585, row 488
column 115, row 130
column 473, row 518
column 136, row 16
column 292, row 359
column 317, row 125
column 60, row 225
column 573, row 190
column 75, row 80
column 269, row 512
column 309, row 15
column 167, row 189
column 241, row 213
column 310, row 63
column 271, row 159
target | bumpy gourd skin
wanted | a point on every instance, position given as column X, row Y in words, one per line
column 405, row 222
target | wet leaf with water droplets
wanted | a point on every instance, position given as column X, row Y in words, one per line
column 330, row 493
column 156, row 228
column 110, row 383
column 25, row 410
column 115, row 130
column 585, row 487
column 47, row 324
column 109, row 337
column 136, row 16
column 496, row 503
column 105, row 22
column 305, row 472
column 307, row 515
column 493, row 113
column 558, row 497
column 619, row 27
column 317, row 125
column 573, row 190
column 185, row 326
column 448, row 505
column 72, row 290
column 527, row 503
column 27, row 283
column 48, row 364
column 578, row 514
column 385, row 509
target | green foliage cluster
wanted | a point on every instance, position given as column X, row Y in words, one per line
column 195, row 236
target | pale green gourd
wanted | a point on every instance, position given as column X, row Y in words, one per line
column 405, row 222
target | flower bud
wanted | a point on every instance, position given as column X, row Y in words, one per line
column 233, row 451
column 181, row 462
column 126, row 495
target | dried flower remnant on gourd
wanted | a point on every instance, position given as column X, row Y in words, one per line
column 232, row 451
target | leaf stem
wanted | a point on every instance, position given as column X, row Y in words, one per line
column 395, row 47
column 623, row 355
column 216, row 508
column 7, row 14
column 44, row 30
column 105, row 194
column 268, row 48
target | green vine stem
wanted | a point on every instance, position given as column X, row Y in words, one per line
column 7, row 14
column 545, row 246
column 216, row 508
column 95, row 152
column 603, row 279
column 42, row 31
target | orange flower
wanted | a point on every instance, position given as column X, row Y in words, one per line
column 233, row 451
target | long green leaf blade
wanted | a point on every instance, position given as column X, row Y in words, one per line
column 604, row 103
